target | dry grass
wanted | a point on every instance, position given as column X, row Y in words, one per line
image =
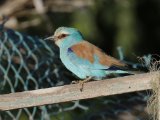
column 153, row 104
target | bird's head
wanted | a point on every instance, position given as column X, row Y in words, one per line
column 66, row 37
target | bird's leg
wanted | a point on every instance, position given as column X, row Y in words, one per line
column 84, row 81
column 81, row 82
column 87, row 79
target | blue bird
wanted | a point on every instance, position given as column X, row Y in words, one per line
column 82, row 58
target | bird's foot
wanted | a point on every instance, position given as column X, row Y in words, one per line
column 75, row 82
column 84, row 81
column 81, row 82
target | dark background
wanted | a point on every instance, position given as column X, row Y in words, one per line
column 132, row 24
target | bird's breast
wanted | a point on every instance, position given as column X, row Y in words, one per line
column 67, row 60
column 69, row 64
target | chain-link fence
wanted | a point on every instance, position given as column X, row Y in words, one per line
column 28, row 63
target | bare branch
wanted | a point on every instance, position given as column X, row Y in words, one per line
column 11, row 7
column 72, row 92
column 39, row 6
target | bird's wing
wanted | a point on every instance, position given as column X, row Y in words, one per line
column 89, row 52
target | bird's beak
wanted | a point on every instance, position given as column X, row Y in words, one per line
column 51, row 38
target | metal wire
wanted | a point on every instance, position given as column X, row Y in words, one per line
column 28, row 63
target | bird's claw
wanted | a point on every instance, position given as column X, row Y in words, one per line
column 74, row 82
column 81, row 82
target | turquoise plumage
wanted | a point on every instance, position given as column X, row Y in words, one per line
column 83, row 58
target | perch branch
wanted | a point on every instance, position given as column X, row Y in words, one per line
column 72, row 92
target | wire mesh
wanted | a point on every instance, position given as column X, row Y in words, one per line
column 28, row 63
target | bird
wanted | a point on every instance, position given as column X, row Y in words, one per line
column 82, row 58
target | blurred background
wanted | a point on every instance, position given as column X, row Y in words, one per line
column 132, row 25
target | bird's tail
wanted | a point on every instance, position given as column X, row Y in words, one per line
column 116, row 70
column 135, row 72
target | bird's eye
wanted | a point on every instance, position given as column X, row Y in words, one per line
column 62, row 36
